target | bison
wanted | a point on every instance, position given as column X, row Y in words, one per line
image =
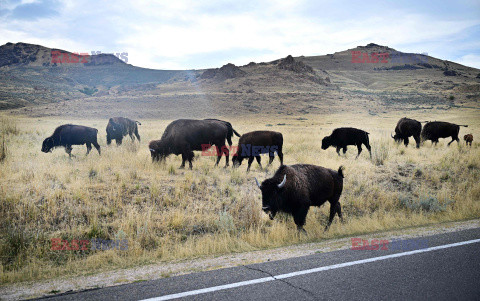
column 405, row 128
column 69, row 134
column 252, row 144
column 231, row 131
column 439, row 129
column 183, row 136
column 468, row 139
column 341, row 137
column 119, row 127
column 294, row 188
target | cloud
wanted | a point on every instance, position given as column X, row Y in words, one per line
column 470, row 60
column 199, row 34
column 35, row 10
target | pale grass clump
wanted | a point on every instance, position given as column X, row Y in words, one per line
column 167, row 214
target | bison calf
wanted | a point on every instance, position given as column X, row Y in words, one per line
column 294, row 188
column 68, row 134
column 252, row 144
column 468, row 139
column 342, row 137
column 119, row 127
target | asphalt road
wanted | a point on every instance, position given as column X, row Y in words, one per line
column 441, row 267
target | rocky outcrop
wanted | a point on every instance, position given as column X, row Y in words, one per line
column 225, row 72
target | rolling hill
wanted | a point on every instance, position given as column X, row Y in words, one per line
column 31, row 83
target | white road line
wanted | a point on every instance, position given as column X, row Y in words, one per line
column 304, row 272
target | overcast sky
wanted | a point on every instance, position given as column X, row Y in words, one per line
column 197, row 34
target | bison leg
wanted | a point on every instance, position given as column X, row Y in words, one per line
column 271, row 159
column 345, row 150
column 109, row 140
column 333, row 210
column 453, row 139
column 405, row 141
column 339, row 211
column 89, row 148
column 259, row 161
column 250, row 160
column 280, row 156
column 338, row 150
column 417, row 140
column 299, row 217
column 190, row 158
column 119, row 141
column 369, row 148
column 226, row 151
column 97, row 147
column 359, row 147
column 68, row 150
column 219, row 155
column 184, row 158
column 136, row 133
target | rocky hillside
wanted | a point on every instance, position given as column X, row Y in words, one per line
column 33, row 74
column 372, row 78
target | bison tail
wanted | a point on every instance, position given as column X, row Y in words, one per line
column 138, row 122
column 236, row 133
column 465, row 125
column 340, row 171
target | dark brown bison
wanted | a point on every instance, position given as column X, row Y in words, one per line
column 69, row 134
column 294, row 188
column 252, row 144
column 440, row 129
column 468, row 139
column 342, row 137
column 119, row 127
column 405, row 128
column 183, row 136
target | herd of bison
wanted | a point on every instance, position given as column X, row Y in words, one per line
column 293, row 188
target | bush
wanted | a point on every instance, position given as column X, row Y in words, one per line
column 89, row 91
column 8, row 127
column 225, row 222
column 3, row 149
column 423, row 203
column 380, row 153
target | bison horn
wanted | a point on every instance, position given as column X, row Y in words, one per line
column 391, row 135
column 283, row 182
column 258, row 184
column 152, row 150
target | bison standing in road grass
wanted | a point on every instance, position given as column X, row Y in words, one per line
column 251, row 145
column 119, row 127
column 406, row 128
column 294, row 188
column 440, row 129
column 69, row 134
column 342, row 137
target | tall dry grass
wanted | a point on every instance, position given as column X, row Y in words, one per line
column 167, row 213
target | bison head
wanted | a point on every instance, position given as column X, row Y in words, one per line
column 272, row 195
column 237, row 160
column 326, row 143
column 397, row 137
column 47, row 145
column 158, row 151
column 115, row 131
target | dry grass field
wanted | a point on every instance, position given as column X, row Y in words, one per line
column 170, row 214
